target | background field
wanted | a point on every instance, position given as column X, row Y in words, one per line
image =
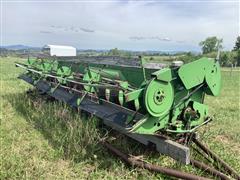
column 42, row 139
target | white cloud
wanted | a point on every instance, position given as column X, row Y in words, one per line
column 160, row 26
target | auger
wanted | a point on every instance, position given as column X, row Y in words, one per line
column 142, row 101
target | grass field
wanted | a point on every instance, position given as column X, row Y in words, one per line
column 48, row 140
column 161, row 59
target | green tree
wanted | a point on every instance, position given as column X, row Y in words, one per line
column 114, row 52
column 237, row 49
column 224, row 58
column 237, row 44
column 211, row 44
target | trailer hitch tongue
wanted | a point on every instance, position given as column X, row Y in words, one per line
column 139, row 163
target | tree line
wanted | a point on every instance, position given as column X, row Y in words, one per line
column 211, row 45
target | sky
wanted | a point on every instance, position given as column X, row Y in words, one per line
column 130, row 25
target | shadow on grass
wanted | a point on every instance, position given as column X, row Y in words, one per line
column 75, row 135
column 72, row 135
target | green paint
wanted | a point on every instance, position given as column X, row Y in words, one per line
column 171, row 99
column 158, row 97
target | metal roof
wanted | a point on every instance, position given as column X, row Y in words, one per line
column 58, row 47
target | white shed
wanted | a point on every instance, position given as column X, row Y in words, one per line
column 56, row 50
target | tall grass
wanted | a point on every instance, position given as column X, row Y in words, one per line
column 42, row 139
column 75, row 137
